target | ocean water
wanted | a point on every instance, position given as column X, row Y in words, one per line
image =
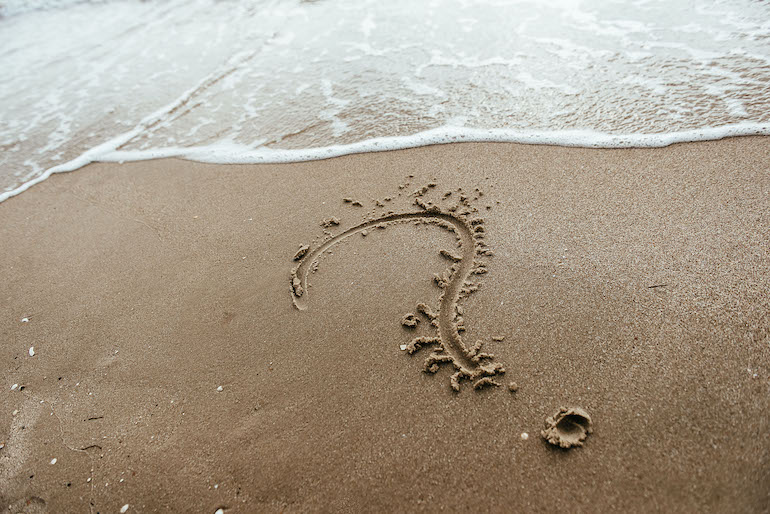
column 286, row 80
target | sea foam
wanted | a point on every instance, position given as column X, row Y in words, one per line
column 286, row 80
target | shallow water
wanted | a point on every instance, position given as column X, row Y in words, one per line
column 225, row 81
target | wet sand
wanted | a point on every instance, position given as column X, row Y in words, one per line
column 632, row 284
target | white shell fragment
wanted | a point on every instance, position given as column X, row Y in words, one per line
column 53, row 461
column 14, row 386
column 25, row 320
column 220, row 389
column 124, row 508
column 31, row 351
column 403, row 347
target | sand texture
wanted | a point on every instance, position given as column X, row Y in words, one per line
column 390, row 332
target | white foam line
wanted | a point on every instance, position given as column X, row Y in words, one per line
column 232, row 153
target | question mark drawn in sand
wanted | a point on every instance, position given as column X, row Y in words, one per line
column 448, row 347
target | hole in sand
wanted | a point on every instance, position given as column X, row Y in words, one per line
column 568, row 428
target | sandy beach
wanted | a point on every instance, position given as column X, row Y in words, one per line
column 153, row 357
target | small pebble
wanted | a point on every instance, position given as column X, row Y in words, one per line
column 403, row 347
column 14, row 386
column 25, row 320
column 124, row 508
column 15, row 412
column 53, row 461
column 31, row 351
column 220, row 389
column 220, row 511
column 524, row 436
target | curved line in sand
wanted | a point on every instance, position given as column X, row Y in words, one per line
column 450, row 346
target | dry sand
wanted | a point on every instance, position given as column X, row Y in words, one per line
column 630, row 283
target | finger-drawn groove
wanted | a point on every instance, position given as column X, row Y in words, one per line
column 448, row 346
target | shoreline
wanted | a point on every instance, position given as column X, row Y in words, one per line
column 108, row 151
column 627, row 282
